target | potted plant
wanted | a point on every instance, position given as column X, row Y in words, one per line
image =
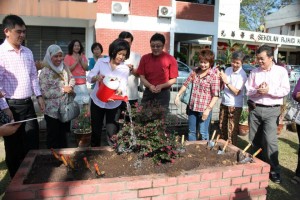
column 82, row 126
column 243, row 124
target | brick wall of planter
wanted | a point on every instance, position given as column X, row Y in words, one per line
column 248, row 181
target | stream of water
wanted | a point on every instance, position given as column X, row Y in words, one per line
column 133, row 136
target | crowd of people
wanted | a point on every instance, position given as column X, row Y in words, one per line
column 63, row 77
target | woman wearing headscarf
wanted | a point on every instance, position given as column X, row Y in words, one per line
column 56, row 81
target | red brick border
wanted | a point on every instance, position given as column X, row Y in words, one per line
column 232, row 182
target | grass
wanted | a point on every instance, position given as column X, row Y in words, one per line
column 288, row 147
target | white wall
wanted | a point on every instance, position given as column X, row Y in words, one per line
column 231, row 9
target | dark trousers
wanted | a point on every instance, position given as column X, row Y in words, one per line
column 122, row 109
column 26, row 137
column 263, row 133
column 163, row 98
column 298, row 165
column 97, row 117
column 56, row 133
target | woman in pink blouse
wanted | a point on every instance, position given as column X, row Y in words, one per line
column 78, row 65
column 205, row 93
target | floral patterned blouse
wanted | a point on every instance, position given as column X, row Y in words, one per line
column 52, row 89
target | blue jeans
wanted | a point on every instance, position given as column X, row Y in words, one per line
column 194, row 121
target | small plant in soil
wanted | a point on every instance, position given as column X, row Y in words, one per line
column 152, row 138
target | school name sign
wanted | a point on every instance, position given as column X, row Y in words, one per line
column 258, row 37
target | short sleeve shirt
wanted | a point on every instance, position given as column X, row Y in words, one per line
column 158, row 69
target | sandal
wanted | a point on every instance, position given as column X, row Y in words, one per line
column 295, row 180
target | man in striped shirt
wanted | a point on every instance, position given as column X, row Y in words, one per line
column 19, row 81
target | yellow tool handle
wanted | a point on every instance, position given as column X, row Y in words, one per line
column 246, row 148
column 226, row 144
column 257, row 152
column 182, row 139
column 213, row 136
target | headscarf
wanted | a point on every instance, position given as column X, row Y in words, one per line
column 52, row 51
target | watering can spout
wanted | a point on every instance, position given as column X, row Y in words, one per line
column 119, row 97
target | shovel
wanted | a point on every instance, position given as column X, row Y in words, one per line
column 211, row 142
column 242, row 155
column 215, row 143
column 250, row 159
column 224, row 148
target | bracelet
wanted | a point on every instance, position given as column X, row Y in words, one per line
column 39, row 96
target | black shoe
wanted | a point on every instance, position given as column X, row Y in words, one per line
column 275, row 177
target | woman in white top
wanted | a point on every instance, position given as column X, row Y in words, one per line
column 234, row 79
column 113, row 67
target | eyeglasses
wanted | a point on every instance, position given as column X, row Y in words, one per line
column 158, row 46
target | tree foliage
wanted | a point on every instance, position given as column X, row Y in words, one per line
column 253, row 12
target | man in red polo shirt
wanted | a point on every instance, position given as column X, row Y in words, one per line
column 158, row 72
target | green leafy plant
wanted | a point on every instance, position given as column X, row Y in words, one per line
column 83, row 121
column 152, row 138
column 244, row 116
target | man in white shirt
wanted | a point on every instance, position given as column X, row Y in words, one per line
column 133, row 80
column 132, row 62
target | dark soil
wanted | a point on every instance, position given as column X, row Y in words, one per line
column 46, row 168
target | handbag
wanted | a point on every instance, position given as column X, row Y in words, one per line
column 68, row 111
column 186, row 96
column 293, row 113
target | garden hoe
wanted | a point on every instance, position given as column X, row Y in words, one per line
column 215, row 143
column 224, row 148
column 250, row 158
column 211, row 142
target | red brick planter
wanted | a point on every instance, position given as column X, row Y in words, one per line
column 248, row 181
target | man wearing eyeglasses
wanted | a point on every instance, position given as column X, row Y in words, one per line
column 158, row 72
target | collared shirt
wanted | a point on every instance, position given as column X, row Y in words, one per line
column 102, row 67
column 133, row 81
column 237, row 79
column 276, row 78
column 158, row 69
column 18, row 74
column 204, row 89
